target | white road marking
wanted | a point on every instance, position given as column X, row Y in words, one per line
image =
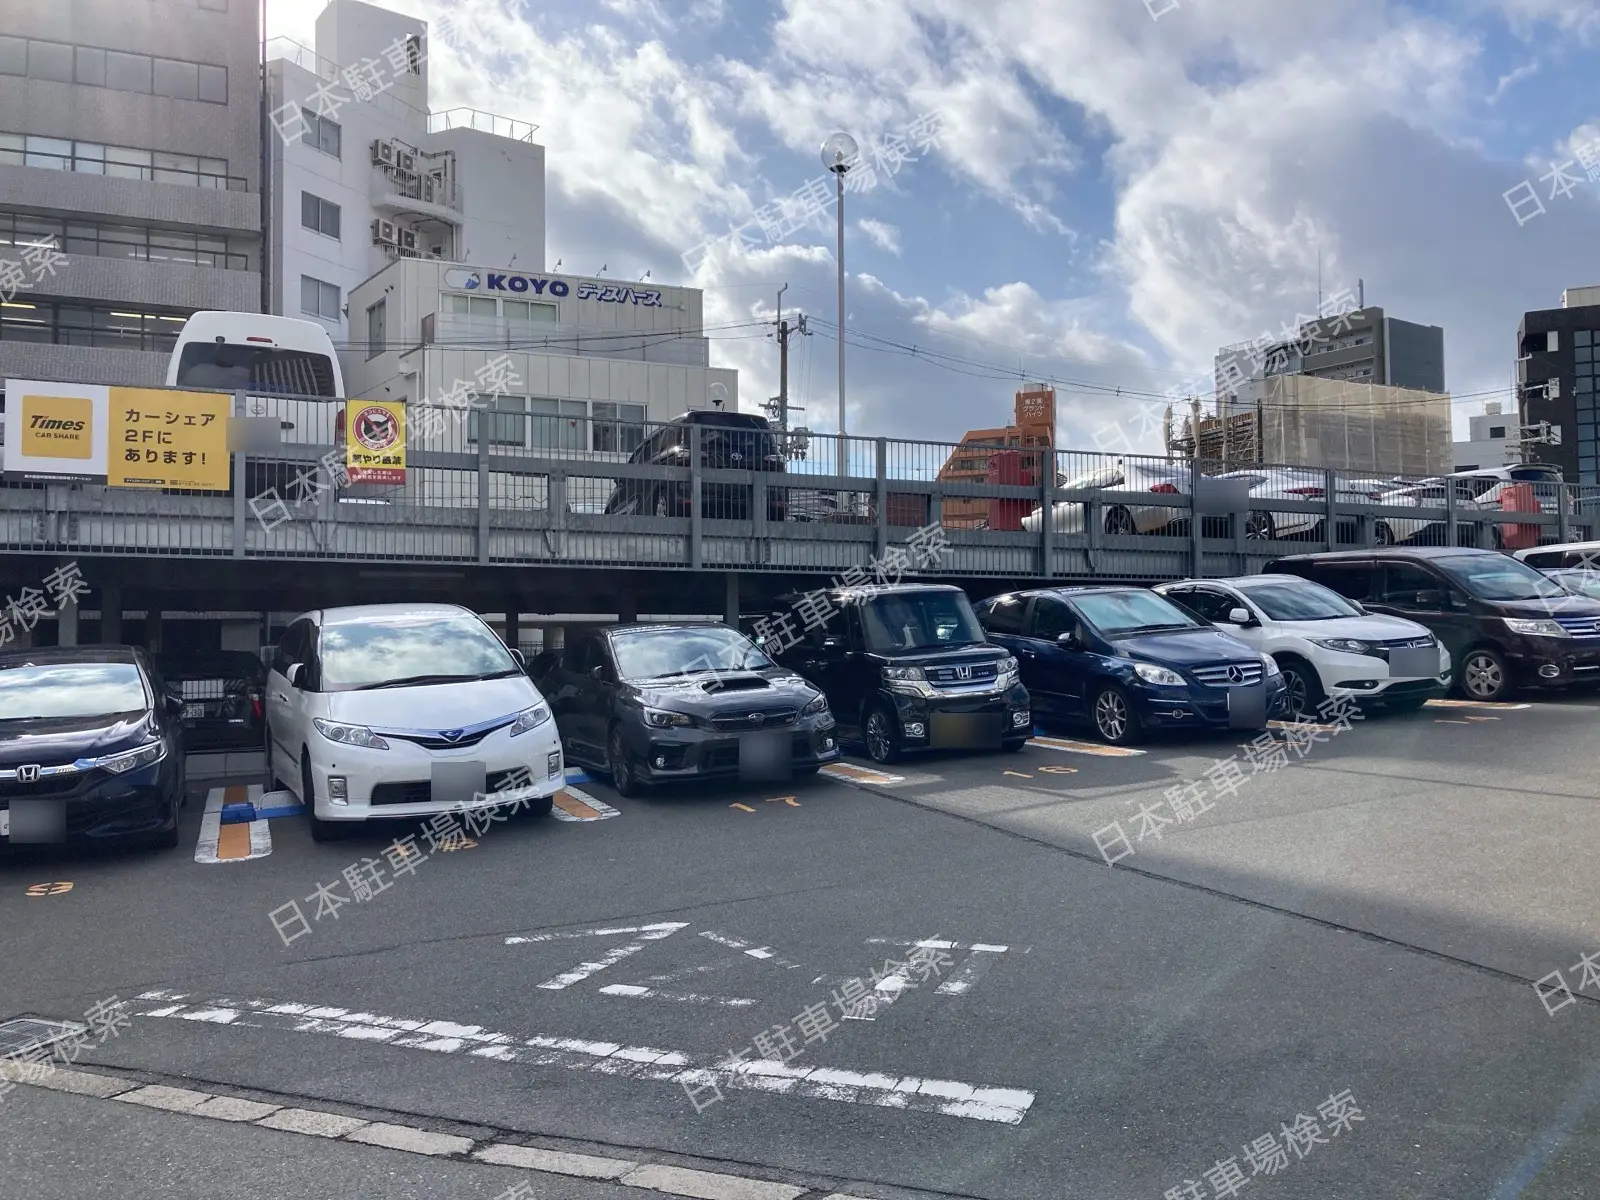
column 668, row 926
column 850, row 773
column 649, row 933
column 1497, row 705
column 205, row 849
column 763, row 952
column 945, row 1097
column 1098, row 749
column 604, row 811
column 635, row 992
column 965, row 976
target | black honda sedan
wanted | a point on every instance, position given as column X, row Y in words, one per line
column 91, row 747
column 653, row 703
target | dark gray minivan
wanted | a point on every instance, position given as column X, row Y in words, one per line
column 1505, row 624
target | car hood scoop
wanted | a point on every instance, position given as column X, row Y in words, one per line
column 734, row 683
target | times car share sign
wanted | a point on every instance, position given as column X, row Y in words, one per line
column 535, row 285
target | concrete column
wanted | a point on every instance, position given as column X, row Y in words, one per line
column 152, row 630
column 627, row 608
column 67, row 623
column 513, row 625
column 730, row 606
column 553, row 637
column 111, row 613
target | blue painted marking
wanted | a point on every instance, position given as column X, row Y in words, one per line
column 287, row 810
column 577, row 775
column 239, row 814
column 232, row 814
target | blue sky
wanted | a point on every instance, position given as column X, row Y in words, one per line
column 1114, row 196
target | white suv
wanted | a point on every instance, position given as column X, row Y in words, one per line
column 1327, row 646
column 405, row 710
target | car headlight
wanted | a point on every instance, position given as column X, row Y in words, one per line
column 909, row 674
column 131, row 760
column 531, row 718
column 1164, row 676
column 1271, row 664
column 1539, row 626
column 349, row 735
column 816, row 707
column 660, row 718
column 1342, row 645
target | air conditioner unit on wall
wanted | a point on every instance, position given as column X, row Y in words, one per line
column 408, row 239
column 382, row 153
column 383, row 233
column 404, row 160
column 430, row 188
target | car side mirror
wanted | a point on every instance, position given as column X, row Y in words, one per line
column 1240, row 616
column 599, row 673
column 519, row 658
column 295, row 673
column 174, row 703
column 1069, row 640
column 1429, row 598
column 832, row 645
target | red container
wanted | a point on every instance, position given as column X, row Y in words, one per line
column 1519, row 497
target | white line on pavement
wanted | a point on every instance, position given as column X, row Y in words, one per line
column 945, row 1097
column 636, row 992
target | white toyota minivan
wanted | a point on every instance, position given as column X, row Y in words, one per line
column 405, row 710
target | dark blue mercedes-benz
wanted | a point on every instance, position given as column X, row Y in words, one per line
column 1127, row 662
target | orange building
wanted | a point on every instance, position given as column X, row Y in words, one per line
column 1034, row 424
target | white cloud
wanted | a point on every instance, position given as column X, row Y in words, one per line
column 881, row 234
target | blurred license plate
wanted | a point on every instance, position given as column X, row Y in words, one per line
column 5, row 822
column 1247, row 707
column 764, row 755
column 36, row 821
column 193, row 712
column 1413, row 662
column 964, row 731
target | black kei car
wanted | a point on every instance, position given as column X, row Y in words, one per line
column 729, row 441
column 223, row 697
column 91, row 747
column 653, row 703
column 906, row 667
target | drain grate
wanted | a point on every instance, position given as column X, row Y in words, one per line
column 23, row 1033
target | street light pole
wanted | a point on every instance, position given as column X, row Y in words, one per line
column 839, row 154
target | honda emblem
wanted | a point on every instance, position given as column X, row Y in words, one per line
column 963, row 672
column 28, row 773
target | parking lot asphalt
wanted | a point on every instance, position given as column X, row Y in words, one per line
column 1368, row 917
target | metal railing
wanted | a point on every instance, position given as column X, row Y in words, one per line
column 514, row 487
column 84, row 165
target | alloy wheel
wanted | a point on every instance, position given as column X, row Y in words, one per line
column 1119, row 522
column 1258, row 527
column 622, row 778
column 879, row 738
column 1111, row 716
column 1482, row 675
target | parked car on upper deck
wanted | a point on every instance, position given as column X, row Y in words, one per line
column 1127, row 662
column 728, row 441
column 1069, row 515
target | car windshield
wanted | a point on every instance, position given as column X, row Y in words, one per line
column 1496, row 577
column 29, row 690
column 389, row 651
column 902, row 622
column 1579, row 580
column 1285, row 600
column 1117, row 613
column 680, row 650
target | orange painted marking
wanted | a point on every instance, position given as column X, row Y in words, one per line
column 855, row 772
column 233, row 841
column 49, row 889
column 568, row 803
column 742, row 807
column 1018, row 774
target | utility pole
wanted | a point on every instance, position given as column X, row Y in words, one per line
column 779, row 406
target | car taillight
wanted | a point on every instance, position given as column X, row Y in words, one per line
column 1313, row 492
column 1170, row 489
column 255, row 705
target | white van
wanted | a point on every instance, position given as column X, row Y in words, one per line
column 1568, row 554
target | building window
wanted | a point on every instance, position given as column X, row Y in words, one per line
column 1497, row 431
column 124, row 162
column 469, row 306
column 559, row 424
column 81, row 324
column 413, row 54
column 526, row 312
column 319, row 214
column 101, row 240
column 376, row 321
column 321, row 133
column 503, row 418
column 94, row 66
column 318, row 298
column 618, row 428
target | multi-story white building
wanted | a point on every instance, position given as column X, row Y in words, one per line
column 1493, row 440
column 595, row 361
column 363, row 172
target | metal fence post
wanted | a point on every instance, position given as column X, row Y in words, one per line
column 1330, row 500
column 483, row 496
column 1047, row 504
column 1196, row 552
column 1450, row 535
column 881, row 474
column 241, row 501
column 1563, row 513
column 696, row 558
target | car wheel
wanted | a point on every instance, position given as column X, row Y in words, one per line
column 661, row 503
column 1382, row 535
column 626, row 507
column 806, row 772
column 1113, row 717
column 882, row 736
column 1302, row 687
column 541, row 808
column 1119, row 522
column 1484, row 675
column 167, row 839
column 623, row 779
column 321, row 831
column 1012, row 745
column 1258, row 527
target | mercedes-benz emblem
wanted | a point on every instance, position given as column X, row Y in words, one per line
column 1235, row 674
column 28, row 773
column 758, row 718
